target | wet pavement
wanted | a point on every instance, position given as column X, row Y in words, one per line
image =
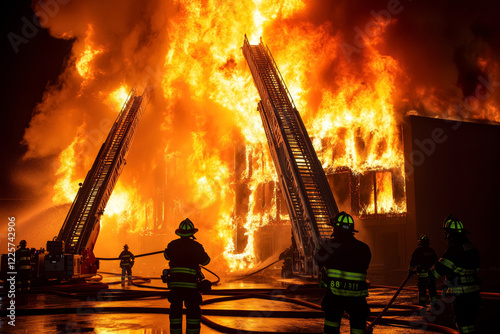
column 257, row 304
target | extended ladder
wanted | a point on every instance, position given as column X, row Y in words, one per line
column 309, row 199
column 81, row 225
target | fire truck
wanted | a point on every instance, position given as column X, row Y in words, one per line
column 70, row 254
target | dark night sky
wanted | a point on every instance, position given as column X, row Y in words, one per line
column 25, row 75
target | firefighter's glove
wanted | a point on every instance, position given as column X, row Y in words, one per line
column 323, row 278
column 411, row 272
column 165, row 276
column 205, row 285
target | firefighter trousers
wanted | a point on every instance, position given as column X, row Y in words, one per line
column 192, row 300
column 334, row 307
column 466, row 309
column 424, row 284
column 126, row 270
column 23, row 279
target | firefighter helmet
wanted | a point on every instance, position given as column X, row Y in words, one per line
column 186, row 228
column 452, row 224
column 424, row 240
column 22, row 243
column 125, row 246
column 343, row 221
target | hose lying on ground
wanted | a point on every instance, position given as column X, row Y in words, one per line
column 314, row 314
column 117, row 295
column 370, row 326
column 159, row 252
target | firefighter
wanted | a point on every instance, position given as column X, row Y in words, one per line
column 287, row 257
column 422, row 259
column 344, row 261
column 126, row 263
column 23, row 266
column 460, row 265
column 185, row 255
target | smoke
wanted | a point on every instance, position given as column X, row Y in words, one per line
column 446, row 51
column 126, row 43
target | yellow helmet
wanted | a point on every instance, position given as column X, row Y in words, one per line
column 186, row 228
column 452, row 224
column 343, row 221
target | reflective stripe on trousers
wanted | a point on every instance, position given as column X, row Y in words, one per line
column 467, row 329
column 176, row 325
column 423, row 274
column 193, row 326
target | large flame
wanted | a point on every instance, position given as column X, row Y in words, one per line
column 204, row 113
column 83, row 63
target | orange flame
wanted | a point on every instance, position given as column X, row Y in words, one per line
column 118, row 97
column 66, row 187
column 83, row 63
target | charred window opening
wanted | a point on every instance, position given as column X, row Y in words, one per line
column 381, row 192
column 340, row 184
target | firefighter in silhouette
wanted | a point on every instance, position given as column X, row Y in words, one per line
column 126, row 263
column 287, row 257
column 185, row 255
column 23, row 266
column 343, row 261
column 460, row 264
column 422, row 259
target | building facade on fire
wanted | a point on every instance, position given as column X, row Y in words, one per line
column 449, row 167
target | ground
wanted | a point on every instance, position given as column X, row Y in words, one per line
column 261, row 303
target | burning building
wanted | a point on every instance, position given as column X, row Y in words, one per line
column 354, row 69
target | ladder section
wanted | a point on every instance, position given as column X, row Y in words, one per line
column 309, row 197
column 93, row 195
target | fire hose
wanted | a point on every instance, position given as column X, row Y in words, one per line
column 114, row 295
column 271, row 294
column 117, row 258
column 225, row 329
column 153, row 253
column 377, row 319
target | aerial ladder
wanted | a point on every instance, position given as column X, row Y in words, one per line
column 308, row 196
column 70, row 254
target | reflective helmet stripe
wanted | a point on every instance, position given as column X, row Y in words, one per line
column 343, row 221
column 452, row 223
